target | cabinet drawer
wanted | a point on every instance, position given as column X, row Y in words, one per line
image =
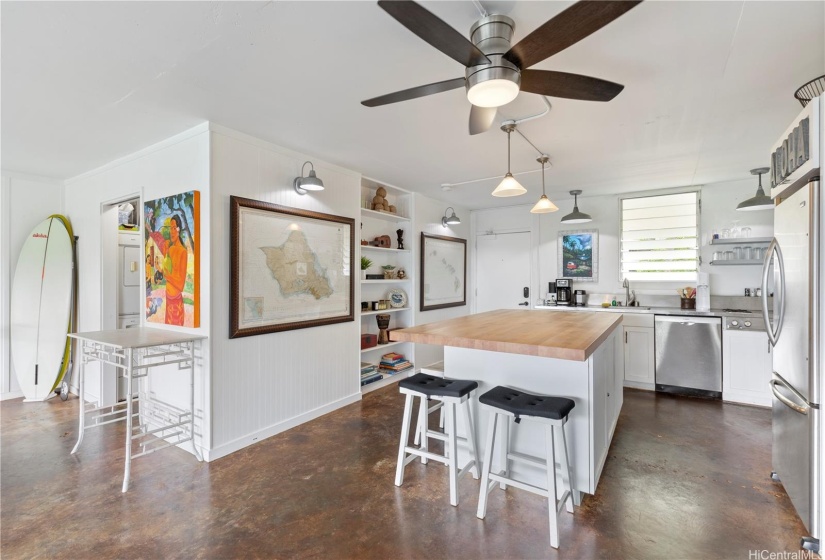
column 637, row 320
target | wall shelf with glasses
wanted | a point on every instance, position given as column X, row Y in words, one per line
column 737, row 262
column 742, row 241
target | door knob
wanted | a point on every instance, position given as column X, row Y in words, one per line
column 524, row 303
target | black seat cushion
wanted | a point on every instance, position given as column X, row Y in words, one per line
column 437, row 386
column 525, row 404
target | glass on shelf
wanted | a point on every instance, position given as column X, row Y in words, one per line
column 725, row 233
column 734, row 229
column 737, row 253
column 728, row 255
column 746, row 231
column 719, row 256
column 747, row 253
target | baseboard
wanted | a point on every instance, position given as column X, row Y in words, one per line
column 11, row 395
column 275, row 429
column 640, row 385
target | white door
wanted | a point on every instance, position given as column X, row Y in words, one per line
column 503, row 272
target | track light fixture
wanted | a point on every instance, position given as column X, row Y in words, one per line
column 544, row 205
column 576, row 217
column 760, row 201
column 509, row 186
column 309, row 183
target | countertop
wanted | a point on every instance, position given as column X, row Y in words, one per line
column 566, row 335
column 653, row 311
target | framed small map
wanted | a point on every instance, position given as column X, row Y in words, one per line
column 291, row 268
column 443, row 271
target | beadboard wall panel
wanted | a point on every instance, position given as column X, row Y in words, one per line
column 176, row 165
column 265, row 384
column 428, row 214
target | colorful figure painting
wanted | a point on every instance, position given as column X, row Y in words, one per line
column 172, row 268
column 578, row 254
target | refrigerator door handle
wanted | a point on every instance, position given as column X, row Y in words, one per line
column 801, row 409
column 773, row 248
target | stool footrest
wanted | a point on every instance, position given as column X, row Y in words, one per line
column 466, row 469
column 518, row 484
column 418, row 452
column 516, row 456
column 562, row 501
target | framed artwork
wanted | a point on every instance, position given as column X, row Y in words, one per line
column 172, row 264
column 579, row 255
column 443, row 272
column 291, row 268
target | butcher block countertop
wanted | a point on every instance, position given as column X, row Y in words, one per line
column 564, row 334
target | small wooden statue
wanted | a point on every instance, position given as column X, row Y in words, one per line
column 400, row 233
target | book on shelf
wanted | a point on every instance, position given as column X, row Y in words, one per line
column 394, row 371
column 392, row 356
column 367, row 367
column 372, row 379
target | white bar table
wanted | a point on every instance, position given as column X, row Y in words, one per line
column 133, row 352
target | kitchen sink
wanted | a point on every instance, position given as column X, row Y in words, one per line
column 623, row 309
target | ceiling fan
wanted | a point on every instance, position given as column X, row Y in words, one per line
column 495, row 71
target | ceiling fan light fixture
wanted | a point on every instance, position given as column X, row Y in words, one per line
column 509, row 187
column 492, row 93
column 576, row 217
column 760, row 201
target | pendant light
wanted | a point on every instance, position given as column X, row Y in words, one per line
column 576, row 217
column 544, row 205
column 760, row 201
column 509, row 186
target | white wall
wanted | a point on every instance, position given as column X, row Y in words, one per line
column 25, row 201
column 173, row 166
column 427, row 218
column 265, row 384
column 719, row 202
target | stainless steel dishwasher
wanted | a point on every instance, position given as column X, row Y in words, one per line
column 689, row 355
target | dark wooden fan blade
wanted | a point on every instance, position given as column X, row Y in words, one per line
column 568, row 28
column 415, row 92
column 570, row 86
column 481, row 118
column 435, row 31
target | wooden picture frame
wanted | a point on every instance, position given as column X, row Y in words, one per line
column 579, row 255
column 291, row 268
column 443, row 272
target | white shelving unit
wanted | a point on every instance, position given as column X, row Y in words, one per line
column 742, row 242
column 373, row 224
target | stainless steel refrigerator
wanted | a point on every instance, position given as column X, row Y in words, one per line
column 794, row 264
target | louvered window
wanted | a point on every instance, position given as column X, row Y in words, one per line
column 660, row 237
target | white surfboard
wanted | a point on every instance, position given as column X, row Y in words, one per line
column 41, row 298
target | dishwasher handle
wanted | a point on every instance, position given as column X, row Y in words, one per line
column 687, row 320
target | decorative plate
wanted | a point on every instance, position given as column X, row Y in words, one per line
column 397, row 297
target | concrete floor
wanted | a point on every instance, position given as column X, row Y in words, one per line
column 685, row 478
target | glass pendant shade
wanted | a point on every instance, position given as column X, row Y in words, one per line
column 509, row 187
column 760, row 201
column 543, row 206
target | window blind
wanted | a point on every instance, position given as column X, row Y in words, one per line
column 660, row 237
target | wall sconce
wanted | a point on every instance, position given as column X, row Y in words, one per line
column 760, row 201
column 450, row 220
column 309, row 183
column 576, row 217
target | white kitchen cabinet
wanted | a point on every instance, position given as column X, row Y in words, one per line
column 746, row 367
column 639, row 369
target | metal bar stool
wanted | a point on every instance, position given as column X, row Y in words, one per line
column 452, row 393
column 550, row 411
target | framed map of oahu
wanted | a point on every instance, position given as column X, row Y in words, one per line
column 291, row 268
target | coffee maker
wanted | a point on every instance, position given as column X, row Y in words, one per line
column 579, row 298
column 563, row 292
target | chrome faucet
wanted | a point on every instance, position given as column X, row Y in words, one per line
column 626, row 286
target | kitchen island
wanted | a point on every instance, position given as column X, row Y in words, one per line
column 572, row 355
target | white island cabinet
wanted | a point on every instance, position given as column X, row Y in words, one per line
column 564, row 354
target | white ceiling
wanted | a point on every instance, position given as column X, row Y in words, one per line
column 708, row 88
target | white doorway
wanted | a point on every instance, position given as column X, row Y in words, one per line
column 503, row 271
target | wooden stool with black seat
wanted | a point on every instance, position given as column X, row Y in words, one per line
column 452, row 393
column 550, row 411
